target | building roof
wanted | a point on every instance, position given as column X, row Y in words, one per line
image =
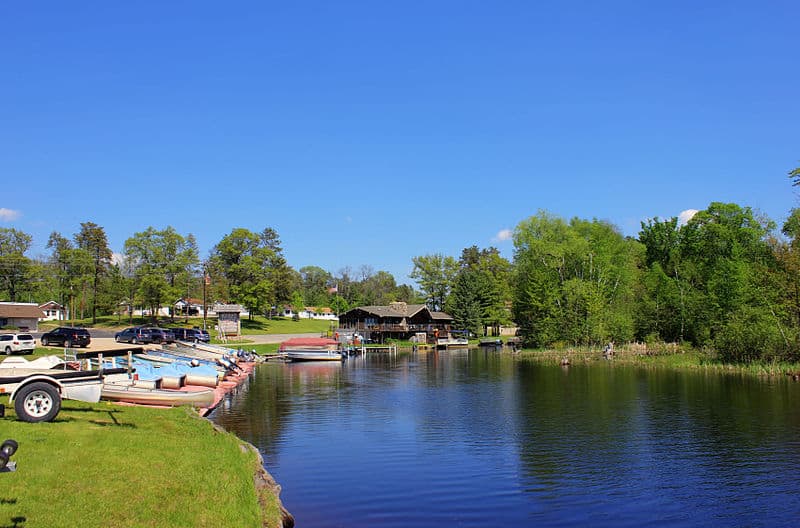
column 394, row 310
column 189, row 300
column 401, row 309
column 51, row 305
column 228, row 308
column 20, row 310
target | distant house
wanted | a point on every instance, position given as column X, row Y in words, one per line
column 24, row 316
column 312, row 312
column 53, row 311
column 397, row 320
column 190, row 307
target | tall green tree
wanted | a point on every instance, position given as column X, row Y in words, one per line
column 315, row 283
column 92, row 239
column 15, row 267
column 464, row 301
column 157, row 258
column 483, row 280
column 575, row 281
column 251, row 267
column 435, row 274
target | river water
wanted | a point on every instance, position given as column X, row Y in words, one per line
column 478, row 439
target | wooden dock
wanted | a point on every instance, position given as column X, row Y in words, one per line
column 364, row 349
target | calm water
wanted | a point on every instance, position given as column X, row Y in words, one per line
column 476, row 439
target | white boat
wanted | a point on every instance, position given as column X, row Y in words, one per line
column 452, row 341
column 315, row 355
column 129, row 393
column 311, row 349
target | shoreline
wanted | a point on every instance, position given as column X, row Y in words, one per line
column 659, row 356
column 263, row 482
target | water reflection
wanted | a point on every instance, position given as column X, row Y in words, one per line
column 477, row 439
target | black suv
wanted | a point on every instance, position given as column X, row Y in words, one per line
column 67, row 337
column 193, row 335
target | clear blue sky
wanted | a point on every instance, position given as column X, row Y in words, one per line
column 366, row 133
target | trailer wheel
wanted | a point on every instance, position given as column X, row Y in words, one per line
column 37, row 402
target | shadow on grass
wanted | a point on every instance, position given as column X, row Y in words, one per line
column 111, row 422
column 16, row 522
column 254, row 324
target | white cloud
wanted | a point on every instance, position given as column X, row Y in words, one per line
column 686, row 215
column 503, row 235
column 9, row 215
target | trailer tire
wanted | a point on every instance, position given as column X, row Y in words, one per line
column 37, row 402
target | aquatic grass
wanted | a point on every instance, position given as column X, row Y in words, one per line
column 660, row 355
column 103, row 465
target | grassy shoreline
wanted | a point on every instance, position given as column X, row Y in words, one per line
column 665, row 355
column 104, row 464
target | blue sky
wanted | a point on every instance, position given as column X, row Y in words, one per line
column 366, row 133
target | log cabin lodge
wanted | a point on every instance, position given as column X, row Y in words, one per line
column 398, row 320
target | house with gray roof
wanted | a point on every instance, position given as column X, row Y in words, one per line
column 398, row 320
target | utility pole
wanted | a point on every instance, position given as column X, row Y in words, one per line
column 206, row 282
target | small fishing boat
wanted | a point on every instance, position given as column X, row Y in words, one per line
column 491, row 343
column 200, row 375
column 171, row 356
column 171, row 377
column 129, row 393
column 311, row 349
column 454, row 339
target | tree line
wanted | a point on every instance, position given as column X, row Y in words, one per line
column 160, row 266
column 726, row 279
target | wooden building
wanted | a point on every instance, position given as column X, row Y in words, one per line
column 229, row 322
column 397, row 320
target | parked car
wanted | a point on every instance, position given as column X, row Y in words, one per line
column 67, row 337
column 169, row 335
column 17, row 343
column 136, row 335
column 161, row 335
column 193, row 335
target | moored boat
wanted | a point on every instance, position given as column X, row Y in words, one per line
column 311, row 349
column 454, row 339
column 128, row 393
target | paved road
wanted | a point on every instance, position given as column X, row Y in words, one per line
column 104, row 339
column 276, row 338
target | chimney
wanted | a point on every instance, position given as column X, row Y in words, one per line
column 399, row 307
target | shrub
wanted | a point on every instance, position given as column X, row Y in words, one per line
column 751, row 334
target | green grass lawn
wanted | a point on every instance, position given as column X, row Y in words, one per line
column 255, row 326
column 100, row 465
